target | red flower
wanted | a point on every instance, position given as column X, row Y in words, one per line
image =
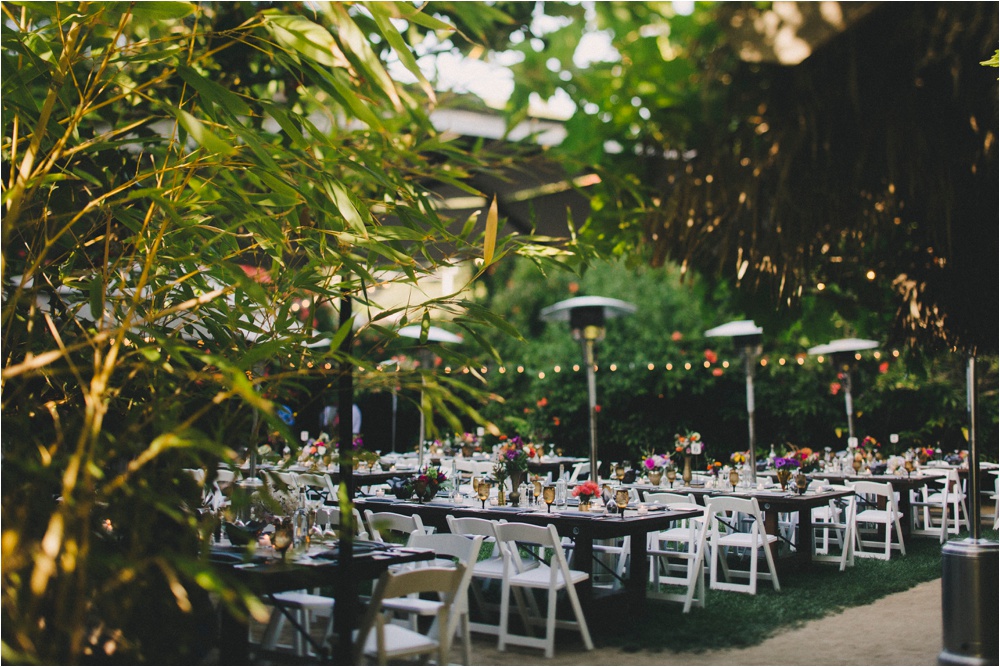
column 711, row 357
column 555, row 421
column 542, row 402
column 834, row 388
column 883, row 367
column 597, row 408
column 717, row 372
column 574, row 288
column 676, row 336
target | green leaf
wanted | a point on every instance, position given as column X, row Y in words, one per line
column 490, row 241
column 345, row 203
column 303, row 36
column 161, row 11
column 213, row 92
column 357, row 44
column 201, row 134
column 381, row 13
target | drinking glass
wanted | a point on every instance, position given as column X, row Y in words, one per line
column 621, row 499
column 483, row 491
column 549, row 496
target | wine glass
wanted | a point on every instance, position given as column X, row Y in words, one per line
column 671, row 476
column 619, row 471
column 908, row 464
column 549, row 496
column 483, row 491
column 282, row 538
column 621, row 499
column 734, row 478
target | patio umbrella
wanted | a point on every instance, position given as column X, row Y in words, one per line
column 843, row 352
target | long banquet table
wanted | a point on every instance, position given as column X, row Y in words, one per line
column 584, row 528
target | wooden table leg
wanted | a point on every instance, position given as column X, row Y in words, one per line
column 638, row 572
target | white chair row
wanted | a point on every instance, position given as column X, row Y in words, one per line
column 517, row 562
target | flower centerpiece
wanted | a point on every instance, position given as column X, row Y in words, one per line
column 586, row 492
column 654, row 464
column 808, row 460
column 317, row 453
column 688, row 445
column 784, row 466
column 426, row 485
column 515, row 455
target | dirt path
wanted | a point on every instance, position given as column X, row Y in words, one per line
column 901, row 629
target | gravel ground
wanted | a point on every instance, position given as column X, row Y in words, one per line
column 901, row 629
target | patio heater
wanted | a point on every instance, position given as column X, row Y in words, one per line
column 844, row 353
column 747, row 338
column 586, row 316
column 436, row 335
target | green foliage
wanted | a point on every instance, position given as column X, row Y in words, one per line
column 920, row 396
column 176, row 178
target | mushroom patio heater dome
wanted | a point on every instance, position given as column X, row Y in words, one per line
column 843, row 352
column 747, row 337
column 586, row 316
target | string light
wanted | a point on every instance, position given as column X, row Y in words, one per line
column 541, row 375
column 520, row 369
column 614, row 367
column 576, row 367
column 725, row 364
column 687, row 366
column 557, row 369
column 650, row 366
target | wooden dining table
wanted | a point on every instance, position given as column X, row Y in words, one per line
column 584, row 528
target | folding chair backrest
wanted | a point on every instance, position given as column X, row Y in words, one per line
column 668, row 498
column 875, row 490
column 514, row 536
column 745, row 506
column 331, row 515
column 388, row 522
column 464, row 549
column 470, row 526
column 316, row 483
column 282, row 480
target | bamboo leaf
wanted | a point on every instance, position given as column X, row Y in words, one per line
column 201, row 134
column 388, row 30
column 490, row 241
column 357, row 44
column 213, row 92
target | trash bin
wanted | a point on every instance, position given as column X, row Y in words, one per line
column 970, row 596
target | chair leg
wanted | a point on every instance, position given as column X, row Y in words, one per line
column 550, row 624
column 504, row 616
column 581, row 621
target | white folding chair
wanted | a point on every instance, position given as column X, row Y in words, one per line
column 870, row 496
column 951, row 499
column 382, row 525
column 836, row 518
column 727, row 515
column 318, row 486
column 582, row 471
column 678, row 553
column 486, row 570
column 330, row 516
column 447, row 546
column 929, row 507
column 383, row 640
column 517, row 540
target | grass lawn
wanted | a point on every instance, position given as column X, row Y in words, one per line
column 732, row 620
